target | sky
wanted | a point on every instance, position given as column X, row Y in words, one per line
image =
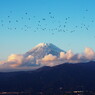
column 68, row 24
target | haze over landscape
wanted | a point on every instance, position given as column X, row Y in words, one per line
column 47, row 47
column 67, row 24
column 45, row 54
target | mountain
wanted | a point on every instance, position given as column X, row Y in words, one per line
column 32, row 59
column 44, row 49
column 50, row 80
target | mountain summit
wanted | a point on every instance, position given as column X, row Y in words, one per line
column 44, row 49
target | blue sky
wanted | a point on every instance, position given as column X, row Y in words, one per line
column 69, row 24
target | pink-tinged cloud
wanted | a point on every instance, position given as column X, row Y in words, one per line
column 49, row 57
column 15, row 60
column 89, row 54
column 18, row 61
column 68, row 55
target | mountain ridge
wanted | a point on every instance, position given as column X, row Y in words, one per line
column 43, row 49
column 70, row 77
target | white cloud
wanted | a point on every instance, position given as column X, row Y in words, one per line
column 70, row 57
column 15, row 60
column 49, row 57
column 18, row 61
column 89, row 54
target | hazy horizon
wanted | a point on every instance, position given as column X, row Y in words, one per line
column 65, row 23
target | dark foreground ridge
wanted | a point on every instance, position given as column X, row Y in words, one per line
column 51, row 80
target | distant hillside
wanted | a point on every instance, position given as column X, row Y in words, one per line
column 68, row 77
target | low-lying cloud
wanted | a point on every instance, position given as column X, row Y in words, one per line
column 49, row 57
column 18, row 61
column 15, row 60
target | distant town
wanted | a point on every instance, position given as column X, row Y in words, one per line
column 61, row 92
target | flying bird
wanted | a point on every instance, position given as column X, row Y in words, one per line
column 43, row 19
column 49, row 12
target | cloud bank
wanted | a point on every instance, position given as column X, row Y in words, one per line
column 18, row 61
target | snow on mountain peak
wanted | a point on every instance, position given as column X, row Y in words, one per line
column 44, row 49
column 43, row 45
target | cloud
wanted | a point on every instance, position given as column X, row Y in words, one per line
column 20, row 62
column 48, row 60
column 89, row 54
column 49, row 57
column 15, row 60
column 68, row 55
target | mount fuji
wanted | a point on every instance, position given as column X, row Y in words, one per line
column 44, row 49
column 33, row 58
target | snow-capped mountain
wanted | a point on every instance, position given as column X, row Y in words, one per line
column 43, row 49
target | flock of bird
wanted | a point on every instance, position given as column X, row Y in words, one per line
column 42, row 24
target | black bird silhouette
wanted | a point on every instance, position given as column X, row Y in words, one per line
column 43, row 19
column 8, row 16
column 9, row 21
column 2, row 25
column 29, row 19
column 10, row 11
column 16, row 20
column 49, row 12
column 21, row 17
column 86, row 10
column 38, row 21
column 92, row 20
column 66, row 18
column 52, row 33
column 1, row 20
column 26, row 13
column 86, row 28
column 64, row 25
